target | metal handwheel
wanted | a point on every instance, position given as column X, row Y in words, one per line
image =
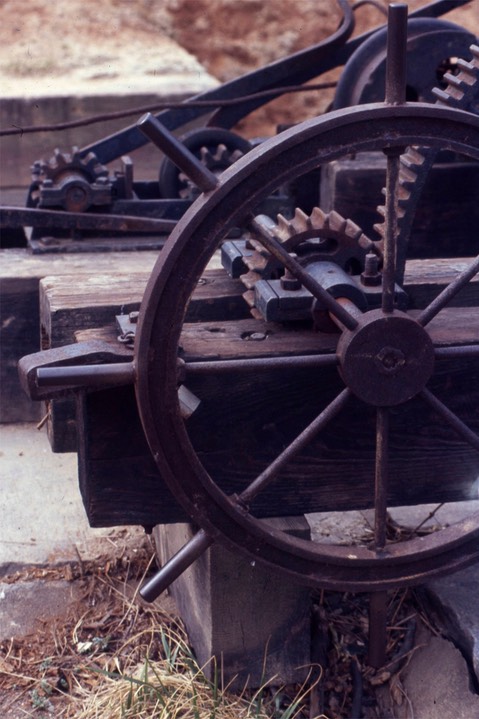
column 385, row 356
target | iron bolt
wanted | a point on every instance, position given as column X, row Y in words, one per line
column 371, row 276
column 289, row 281
column 133, row 317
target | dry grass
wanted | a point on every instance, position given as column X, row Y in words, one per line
column 112, row 656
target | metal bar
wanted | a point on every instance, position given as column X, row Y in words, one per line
column 301, row 441
column 381, row 477
column 448, row 293
column 396, row 66
column 307, row 280
column 258, row 363
column 456, row 352
column 438, row 8
column 395, row 95
column 452, row 419
column 178, row 153
column 391, row 232
column 176, row 566
column 37, row 217
column 100, row 375
column 378, row 604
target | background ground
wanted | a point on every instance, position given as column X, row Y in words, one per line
column 66, row 47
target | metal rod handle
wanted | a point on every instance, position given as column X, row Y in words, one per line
column 396, row 67
column 176, row 566
column 177, row 152
column 100, row 375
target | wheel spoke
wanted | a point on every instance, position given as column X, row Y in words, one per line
column 381, row 476
column 271, row 244
column 255, row 364
column 175, row 566
column 301, row 441
column 456, row 352
column 452, row 419
column 448, row 293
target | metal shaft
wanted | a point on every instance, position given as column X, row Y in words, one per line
column 178, row 153
column 176, row 566
column 101, row 375
column 396, row 67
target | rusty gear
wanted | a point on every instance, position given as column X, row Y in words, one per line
column 70, row 181
column 462, row 93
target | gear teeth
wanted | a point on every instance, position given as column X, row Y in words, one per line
column 249, row 279
column 284, row 228
column 301, row 222
column 60, row 159
column 250, row 299
column 461, row 88
column 335, row 222
column 318, row 217
column 412, row 158
column 206, row 157
column 257, row 247
column 88, row 165
column 221, row 158
column 255, row 262
column 222, row 155
column 460, row 93
column 408, row 177
column 353, row 230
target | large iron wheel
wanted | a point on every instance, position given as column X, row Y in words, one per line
column 373, row 348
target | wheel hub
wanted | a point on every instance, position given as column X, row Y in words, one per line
column 387, row 359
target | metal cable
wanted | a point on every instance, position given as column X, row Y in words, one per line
column 16, row 130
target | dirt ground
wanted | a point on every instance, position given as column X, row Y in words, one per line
column 89, row 41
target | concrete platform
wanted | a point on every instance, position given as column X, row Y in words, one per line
column 42, row 516
column 169, row 74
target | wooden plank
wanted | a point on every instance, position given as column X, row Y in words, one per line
column 66, row 309
column 447, row 211
column 96, row 300
column 125, row 492
column 245, row 420
column 424, row 279
column 20, row 275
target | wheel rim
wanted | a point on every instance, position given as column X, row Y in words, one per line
column 174, row 278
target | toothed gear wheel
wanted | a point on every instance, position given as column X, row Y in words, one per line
column 215, row 147
column 63, row 162
column 70, row 181
column 461, row 93
column 431, row 44
column 319, row 236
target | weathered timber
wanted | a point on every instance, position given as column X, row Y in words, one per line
column 447, row 212
column 94, row 301
column 20, row 275
column 245, row 616
column 245, row 420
